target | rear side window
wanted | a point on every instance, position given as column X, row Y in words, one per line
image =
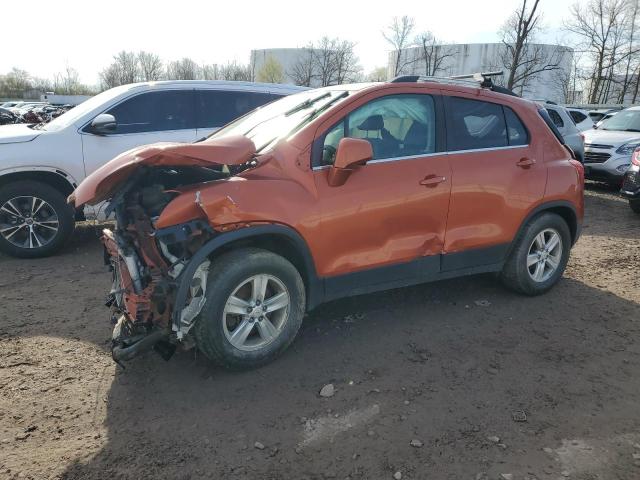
column 577, row 116
column 475, row 125
column 555, row 118
column 155, row 112
column 216, row 108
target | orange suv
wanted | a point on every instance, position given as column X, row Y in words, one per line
column 226, row 243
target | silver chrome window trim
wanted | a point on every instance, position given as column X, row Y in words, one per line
column 411, row 157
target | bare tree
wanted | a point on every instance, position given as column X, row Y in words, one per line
column 522, row 58
column 432, row 53
column 329, row 61
column 235, row 72
column 302, row 72
column 124, row 69
column 398, row 35
column 150, row 66
column 183, row 69
column 14, row 83
column 68, row 82
column 378, row 74
column 602, row 26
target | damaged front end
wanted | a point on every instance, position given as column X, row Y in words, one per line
column 148, row 262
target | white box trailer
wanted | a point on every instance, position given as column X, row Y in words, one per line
column 54, row 99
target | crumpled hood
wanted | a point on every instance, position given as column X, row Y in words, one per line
column 18, row 133
column 610, row 137
column 102, row 183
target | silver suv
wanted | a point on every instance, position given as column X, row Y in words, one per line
column 608, row 149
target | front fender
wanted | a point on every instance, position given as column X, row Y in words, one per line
column 315, row 288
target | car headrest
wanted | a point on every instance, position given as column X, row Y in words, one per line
column 374, row 122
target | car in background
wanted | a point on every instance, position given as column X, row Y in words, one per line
column 606, row 117
column 11, row 104
column 581, row 118
column 631, row 182
column 567, row 128
column 608, row 149
column 597, row 114
column 41, row 164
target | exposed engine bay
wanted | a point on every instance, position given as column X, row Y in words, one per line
column 147, row 262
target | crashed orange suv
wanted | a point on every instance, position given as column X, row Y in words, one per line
column 225, row 243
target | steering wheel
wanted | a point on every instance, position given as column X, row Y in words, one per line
column 329, row 154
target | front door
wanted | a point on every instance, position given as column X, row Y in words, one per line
column 387, row 222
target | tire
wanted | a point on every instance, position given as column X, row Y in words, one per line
column 216, row 326
column 519, row 274
column 634, row 204
column 15, row 237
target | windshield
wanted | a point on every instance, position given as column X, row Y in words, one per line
column 280, row 118
column 626, row 121
column 76, row 113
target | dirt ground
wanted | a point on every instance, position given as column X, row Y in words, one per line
column 454, row 380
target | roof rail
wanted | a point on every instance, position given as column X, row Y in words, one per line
column 471, row 79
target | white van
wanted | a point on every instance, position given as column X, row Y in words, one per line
column 40, row 165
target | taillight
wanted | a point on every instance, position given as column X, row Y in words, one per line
column 635, row 157
column 579, row 167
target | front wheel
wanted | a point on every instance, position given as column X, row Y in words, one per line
column 255, row 301
column 634, row 204
column 35, row 219
column 539, row 256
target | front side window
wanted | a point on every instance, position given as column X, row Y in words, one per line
column 396, row 126
column 475, row 125
column 155, row 112
column 216, row 108
column 626, row 121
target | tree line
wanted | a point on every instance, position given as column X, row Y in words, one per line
column 604, row 64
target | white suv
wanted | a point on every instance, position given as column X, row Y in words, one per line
column 40, row 165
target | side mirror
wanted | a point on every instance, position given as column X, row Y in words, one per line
column 351, row 153
column 103, row 124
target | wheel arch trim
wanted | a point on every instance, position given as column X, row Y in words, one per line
column 553, row 206
column 66, row 176
column 314, row 285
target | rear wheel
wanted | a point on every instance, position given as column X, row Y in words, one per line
column 255, row 301
column 635, row 204
column 35, row 219
column 539, row 257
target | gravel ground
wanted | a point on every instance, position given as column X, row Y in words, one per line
column 454, row 380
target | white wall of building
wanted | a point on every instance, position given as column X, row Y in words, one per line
column 462, row 59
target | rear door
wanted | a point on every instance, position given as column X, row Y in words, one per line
column 387, row 222
column 216, row 108
column 148, row 117
column 497, row 175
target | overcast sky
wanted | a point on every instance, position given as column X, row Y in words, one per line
column 43, row 36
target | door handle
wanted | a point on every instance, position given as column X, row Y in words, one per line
column 432, row 180
column 526, row 162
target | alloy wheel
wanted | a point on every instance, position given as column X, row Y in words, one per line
column 256, row 312
column 544, row 255
column 28, row 222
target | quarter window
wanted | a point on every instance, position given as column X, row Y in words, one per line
column 216, row 108
column 396, row 126
column 516, row 131
column 555, row 117
column 155, row 112
column 475, row 124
